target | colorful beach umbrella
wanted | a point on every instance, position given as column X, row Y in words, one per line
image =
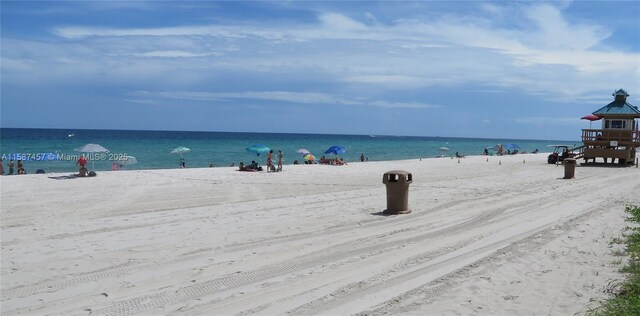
column 336, row 150
column 309, row 157
column 258, row 149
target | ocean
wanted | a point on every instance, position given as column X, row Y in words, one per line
column 152, row 148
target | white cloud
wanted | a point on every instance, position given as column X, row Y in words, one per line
column 307, row 98
column 334, row 21
column 544, row 54
column 541, row 121
column 171, row 54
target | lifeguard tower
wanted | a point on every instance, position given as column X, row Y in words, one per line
column 619, row 136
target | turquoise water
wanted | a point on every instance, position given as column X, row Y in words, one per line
column 152, row 148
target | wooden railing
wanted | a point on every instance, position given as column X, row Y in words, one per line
column 603, row 137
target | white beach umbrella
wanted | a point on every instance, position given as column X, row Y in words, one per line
column 303, row 151
column 128, row 160
column 180, row 151
column 92, row 148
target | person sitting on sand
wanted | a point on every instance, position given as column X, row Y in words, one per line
column 340, row 162
column 254, row 166
column 21, row 168
column 1, row 167
column 241, row 167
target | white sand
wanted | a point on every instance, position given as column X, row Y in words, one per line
column 484, row 238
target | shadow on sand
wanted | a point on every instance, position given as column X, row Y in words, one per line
column 73, row 176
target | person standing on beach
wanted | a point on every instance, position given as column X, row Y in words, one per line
column 82, row 162
column 1, row 167
column 280, row 158
column 11, row 165
column 269, row 160
column 362, row 157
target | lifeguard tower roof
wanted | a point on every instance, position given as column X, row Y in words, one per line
column 619, row 106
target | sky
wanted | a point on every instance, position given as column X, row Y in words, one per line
column 486, row 69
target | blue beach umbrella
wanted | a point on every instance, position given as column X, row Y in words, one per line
column 336, row 150
column 258, row 149
column 511, row 146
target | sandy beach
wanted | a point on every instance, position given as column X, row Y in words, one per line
column 507, row 236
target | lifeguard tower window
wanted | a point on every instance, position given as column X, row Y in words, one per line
column 617, row 124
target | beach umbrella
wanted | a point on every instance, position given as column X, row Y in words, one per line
column 510, row 146
column 258, row 149
column 443, row 150
column 309, row 157
column 303, row 151
column 128, row 160
column 92, row 148
column 591, row 118
column 336, row 149
column 180, row 151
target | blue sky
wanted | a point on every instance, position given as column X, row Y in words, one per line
column 501, row 69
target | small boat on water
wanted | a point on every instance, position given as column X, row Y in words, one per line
column 71, row 135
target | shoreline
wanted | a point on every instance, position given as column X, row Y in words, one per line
column 153, row 151
column 482, row 238
column 60, row 173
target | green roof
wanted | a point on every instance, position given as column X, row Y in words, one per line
column 618, row 108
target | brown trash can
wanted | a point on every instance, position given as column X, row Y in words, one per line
column 569, row 168
column 397, row 182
